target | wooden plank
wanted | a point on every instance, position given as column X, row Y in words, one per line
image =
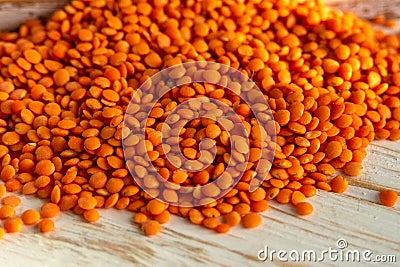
column 26, row 9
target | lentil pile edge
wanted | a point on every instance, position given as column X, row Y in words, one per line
column 331, row 80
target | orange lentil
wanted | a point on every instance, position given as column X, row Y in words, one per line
column 13, row 201
column 259, row 206
column 339, row 184
column 304, row 208
column 213, row 131
column 284, row 196
column 222, row 228
column 242, row 208
column 195, row 216
column 156, row 207
column 210, row 223
column 61, row 77
column 32, row 56
column 352, row 168
column 91, row 215
column 326, row 168
column 330, row 65
column 233, row 218
column 342, row 52
column 163, row 217
column 139, row 218
column 251, row 220
column 3, row 190
column 13, row 225
column 151, row 227
column 308, row 190
column 6, row 211
column 46, row 225
column 333, row 149
column 30, row 217
column 388, row 197
column 323, row 186
column 87, row 203
column 13, row 185
column 297, row 197
column 10, row 138
column 49, row 210
column 67, row 202
column 111, row 200
column 272, row 193
column 45, row 168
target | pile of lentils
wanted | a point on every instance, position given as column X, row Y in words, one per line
column 331, row 80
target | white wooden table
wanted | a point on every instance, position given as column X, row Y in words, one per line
column 116, row 241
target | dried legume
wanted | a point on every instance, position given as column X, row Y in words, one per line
column 388, row 197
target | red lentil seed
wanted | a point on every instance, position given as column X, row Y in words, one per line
column 49, row 210
column 251, row 220
column 222, row 228
column 151, row 227
column 304, row 208
column 388, row 197
column 139, row 218
column 352, row 168
column 13, row 201
column 46, row 225
column 30, row 217
column 6, row 211
column 91, row 215
column 339, row 184
column 13, row 225
column 232, row 219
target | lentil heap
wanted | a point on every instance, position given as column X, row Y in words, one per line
column 331, row 80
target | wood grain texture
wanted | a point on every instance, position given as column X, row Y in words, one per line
column 368, row 9
column 116, row 241
column 28, row 9
column 13, row 13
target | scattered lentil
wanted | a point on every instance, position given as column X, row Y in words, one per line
column 151, row 227
column 388, row 197
column 46, row 225
column 13, row 201
column 91, row 215
column 339, row 184
column 13, row 225
column 30, row 217
column 251, row 220
column 304, row 208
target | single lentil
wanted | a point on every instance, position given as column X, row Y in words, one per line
column 13, row 225
column 151, row 227
column 388, row 197
column 46, row 225
column 251, row 220
column 304, row 208
column 30, row 217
